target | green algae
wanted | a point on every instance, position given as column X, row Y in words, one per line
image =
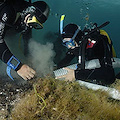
column 52, row 99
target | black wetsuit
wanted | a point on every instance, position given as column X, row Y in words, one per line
column 70, row 55
column 8, row 14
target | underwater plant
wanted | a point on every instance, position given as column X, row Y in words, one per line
column 52, row 99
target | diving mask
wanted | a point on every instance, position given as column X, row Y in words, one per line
column 34, row 23
column 69, row 44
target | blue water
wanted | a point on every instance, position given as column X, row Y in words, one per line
column 99, row 11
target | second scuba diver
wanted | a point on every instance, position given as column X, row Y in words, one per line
column 84, row 48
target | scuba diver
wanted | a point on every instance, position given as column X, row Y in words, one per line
column 22, row 16
column 89, row 44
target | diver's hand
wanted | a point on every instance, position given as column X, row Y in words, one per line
column 69, row 76
column 26, row 72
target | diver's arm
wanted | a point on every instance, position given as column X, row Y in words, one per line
column 70, row 76
column 66, row 60
column 5, row 55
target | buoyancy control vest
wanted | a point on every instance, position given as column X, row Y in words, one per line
column 96, row 45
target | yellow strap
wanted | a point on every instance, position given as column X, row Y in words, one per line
column 62, row 17
column 103, row 32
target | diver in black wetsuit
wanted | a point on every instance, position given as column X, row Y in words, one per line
column 23, row 16
column 96, row 47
